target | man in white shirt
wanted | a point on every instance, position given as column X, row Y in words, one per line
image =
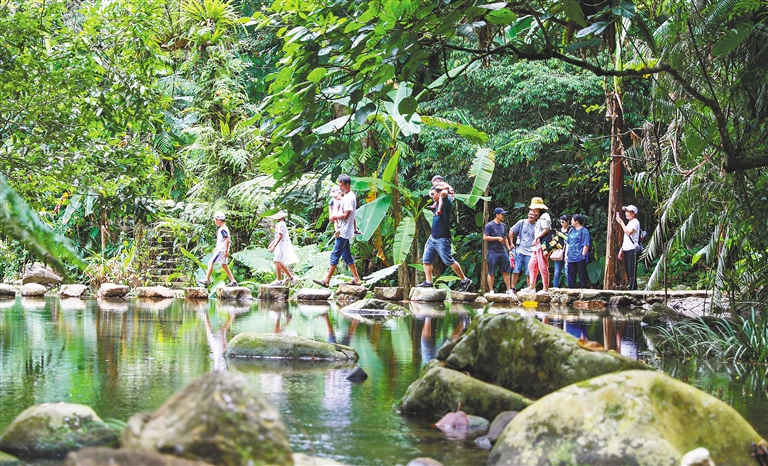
column 345, row 219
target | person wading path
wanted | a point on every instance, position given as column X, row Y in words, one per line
column 439, row 242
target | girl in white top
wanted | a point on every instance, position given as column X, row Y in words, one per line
column 283, row 249
column 629, row 253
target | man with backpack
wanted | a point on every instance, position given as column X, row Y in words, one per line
column 576, row 249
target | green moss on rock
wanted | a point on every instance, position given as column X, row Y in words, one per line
column 274, row 345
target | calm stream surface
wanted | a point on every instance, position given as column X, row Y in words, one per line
column 124, row 357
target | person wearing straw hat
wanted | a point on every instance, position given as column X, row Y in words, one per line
column 540, row 258
column 283, row 249
column 220, row 252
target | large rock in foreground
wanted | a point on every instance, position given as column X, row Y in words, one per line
column 440, row 390
column 219, row 418
column 54, row 429
column 632, row 417
column 279, row 346
column 112, row 457
column 41, row 274
column 528, row 357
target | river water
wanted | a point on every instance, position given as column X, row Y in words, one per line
column 128, row 356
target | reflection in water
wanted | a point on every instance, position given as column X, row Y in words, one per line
column 122, row 357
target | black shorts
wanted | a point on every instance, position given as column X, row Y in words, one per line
column 498, row 261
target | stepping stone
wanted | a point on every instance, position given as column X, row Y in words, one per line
column 154, row 292
column 72, row 291
column 389, row 293
column 358, row 291
column 7, row 290
column 313, row 294
column 234, row 292
column 502, row 298
column 33, row 289
column 428, row 295
column 196, row 292
column 111, row 290
column 462, row 297
column 272, row 293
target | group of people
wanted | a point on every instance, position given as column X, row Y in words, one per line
column 526, row 248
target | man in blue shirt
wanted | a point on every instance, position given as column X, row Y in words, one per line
column 497, row 247
column 439, row 242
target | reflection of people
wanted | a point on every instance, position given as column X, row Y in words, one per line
column 221, row 252
column 540, row 257
column 346, row 219
column 217, row 342
column 497, row 245
column 628, row 250
column 521, row 246
column 284, row 253
column 428, row 341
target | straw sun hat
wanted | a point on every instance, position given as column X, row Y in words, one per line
column 537, row 203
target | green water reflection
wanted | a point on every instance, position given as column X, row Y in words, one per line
column 128, row 356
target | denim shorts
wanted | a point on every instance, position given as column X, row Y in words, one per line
column 438, row 247
column 521, row 263
column 498, row 261
column 341, row 250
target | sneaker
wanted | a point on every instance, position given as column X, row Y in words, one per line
column 511, row 292
column 358, row 232
column 232, row 283
column 465, row 285
column 203, row 283
column 425, row 284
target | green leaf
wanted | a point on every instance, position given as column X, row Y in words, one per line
column 391, row 170
column 74, row 204
column 593, row 42
column 595, row 29
column 451, row 74
column 466, row 131
column 407, row 106
column 503, row 16
column 482, row 171
column 733, row 38
column 573, row 11
column 370, row 215
column 408, row 126
column 364, row 183
column 363, row 113
column 380, row 274
column 404, row 239
column 317, row 75
column 332, row 125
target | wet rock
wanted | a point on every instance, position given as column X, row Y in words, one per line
column 300, row 459
column 589, row 295
column 481, row 300
column 113, row 457
column 369, row 305
column 460, row 420
column 196, row 292
column 620, row 301
column 219, row 418
column 111, row 290
column 632, row 417
column 33, row 289
column 7, row 291
column 54, row 429
column 273, row 293
column 697, row 457
column 155, row 292
column 424, row 461
column 72, row 291
column 389, row 293
column 347, row 293
column 594, row 304
column 462, row 297
column 357, row 374
column 528, row 357
column 428, row 295
column 275, row 345
column 497, row 427
column 313, row 294
column 661, row 315
column 10, row 460
column 501, row 298
column 440, row 390
column 41, row 274
column 234, row 292
column 654, row 299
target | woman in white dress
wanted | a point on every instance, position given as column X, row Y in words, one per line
column 283, row 249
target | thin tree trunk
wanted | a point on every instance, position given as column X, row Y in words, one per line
column 403, row 277
column 484, row 267
column 614, row 270
column 103, row 229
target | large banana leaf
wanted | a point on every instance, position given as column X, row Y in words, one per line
column 391, row 170
column 402, row 110
column 466, row 131
column 481, row 171
column 404, row 239
column 19, row 221
column 380, row 274
column 370, row 215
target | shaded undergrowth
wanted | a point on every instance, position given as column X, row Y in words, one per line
column 742, row 338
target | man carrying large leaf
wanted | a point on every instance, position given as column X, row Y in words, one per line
column 346, row 223
column 439, row 242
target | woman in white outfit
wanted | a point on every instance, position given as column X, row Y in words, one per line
column 629, row 247
column 283, row 249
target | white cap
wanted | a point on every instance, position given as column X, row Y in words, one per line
column 218, row 215
column 630, row 208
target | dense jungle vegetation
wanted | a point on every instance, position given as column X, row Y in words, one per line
column 125, row 120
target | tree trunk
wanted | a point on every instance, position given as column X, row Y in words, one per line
column 484, row 266
column 103, row 229
column 614, row 270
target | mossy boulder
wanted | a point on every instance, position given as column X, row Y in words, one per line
column 528, row 357
column 440, row 390
column 276, row 345
column 632, row 417
column 10, row 460
column 219, row 418
column 113, row 457
column 55, row 429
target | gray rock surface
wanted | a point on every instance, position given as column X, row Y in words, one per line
column 376, row 306
column 112, row 457
column 219, row 418
column 155, row 292
column 111, row 290
column 494, row 432
column 501, row 298
column 631, row 417
column 357, row 374
column 72, row 291
column 273, row 293
column 428, row 295
column 276, row 345
column 424, row 461
column 313, row 294
column 196, row 292
column 33, row 289
column 234, row 292
column 462, row 297
column 389, row 293
column 7, row 291
column 357, row 291
column 54, row 429
column 41, row 274
column 301, row 459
